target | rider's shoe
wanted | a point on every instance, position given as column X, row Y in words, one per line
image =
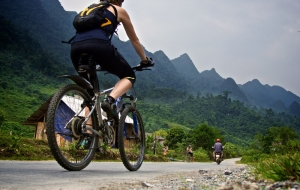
column 86, row 143
column 109, row 106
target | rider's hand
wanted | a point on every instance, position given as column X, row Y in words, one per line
column 147, row 63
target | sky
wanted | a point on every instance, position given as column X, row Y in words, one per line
column 243, row 40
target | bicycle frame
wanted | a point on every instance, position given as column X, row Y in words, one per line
column 97, row 103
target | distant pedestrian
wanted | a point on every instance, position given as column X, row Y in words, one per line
column 189, row 151
column 154, row 146
column 165, row 149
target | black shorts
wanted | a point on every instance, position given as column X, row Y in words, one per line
column 106, row 55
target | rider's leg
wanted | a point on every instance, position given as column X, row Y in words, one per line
column 121, row 87
column 89, row 122
column 108, row 105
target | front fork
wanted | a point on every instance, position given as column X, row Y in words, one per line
column 135, row 121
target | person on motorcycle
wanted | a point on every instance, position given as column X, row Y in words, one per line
column 218, row 147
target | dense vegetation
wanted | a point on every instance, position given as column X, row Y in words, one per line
column 275, row 154
column 238, row 123
column 27, row 77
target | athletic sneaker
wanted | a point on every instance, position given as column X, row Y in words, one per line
column 86, row 143
column 109, row 106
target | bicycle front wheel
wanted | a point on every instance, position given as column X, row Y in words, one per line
column 131, row 138
column 71, row 146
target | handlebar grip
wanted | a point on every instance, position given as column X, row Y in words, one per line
column 144, row 65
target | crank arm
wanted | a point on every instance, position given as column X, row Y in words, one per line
column 94, row 131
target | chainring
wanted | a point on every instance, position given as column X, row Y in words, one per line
column 109, row 135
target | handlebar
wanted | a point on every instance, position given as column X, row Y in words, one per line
column 139, row 67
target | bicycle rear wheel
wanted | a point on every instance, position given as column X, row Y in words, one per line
column 131, row 138
column 71, row 146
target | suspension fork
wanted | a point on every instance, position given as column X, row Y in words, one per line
column 134, row 117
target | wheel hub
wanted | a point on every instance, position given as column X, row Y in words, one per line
column 76, row 127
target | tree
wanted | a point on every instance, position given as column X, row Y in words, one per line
column 161, row 132
column 277, row 137
column 205, row 136
column 175, row 135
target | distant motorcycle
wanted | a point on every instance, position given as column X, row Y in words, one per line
column 218, row 157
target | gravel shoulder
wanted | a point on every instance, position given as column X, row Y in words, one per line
column 190, row 176
column 227, row 176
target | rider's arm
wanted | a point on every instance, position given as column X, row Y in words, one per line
column 125, row 20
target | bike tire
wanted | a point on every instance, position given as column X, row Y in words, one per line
column 71, row 148
column 131, row 138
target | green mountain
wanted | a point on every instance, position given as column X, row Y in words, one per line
column 231, row 87
column 45, row 21
column 172, row 93
column 294, row 108
column 27, row 75
column 267, row 96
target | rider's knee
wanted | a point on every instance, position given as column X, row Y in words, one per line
column 131, row 79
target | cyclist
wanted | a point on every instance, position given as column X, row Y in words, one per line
column 218, row 147
column 97, row 42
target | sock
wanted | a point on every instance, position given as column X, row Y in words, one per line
column 111, row 99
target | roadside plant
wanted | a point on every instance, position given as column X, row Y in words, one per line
column 200, row 155
column 280, row 167
column 15, row 143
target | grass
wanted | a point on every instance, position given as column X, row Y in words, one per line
column 280, row 167
column 18, row 148
column 14, row 147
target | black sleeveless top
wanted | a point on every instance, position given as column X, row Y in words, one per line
column 103, row 33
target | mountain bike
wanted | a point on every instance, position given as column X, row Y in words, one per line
column 77, row 127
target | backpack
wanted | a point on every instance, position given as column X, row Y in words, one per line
column 92, row 17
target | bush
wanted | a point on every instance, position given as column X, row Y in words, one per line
column 200, row 155
column 280, row 167
column 232, row 151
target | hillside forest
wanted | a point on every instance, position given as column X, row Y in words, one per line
column 32, row 57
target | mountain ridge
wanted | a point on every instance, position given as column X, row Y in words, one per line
column 180, row 73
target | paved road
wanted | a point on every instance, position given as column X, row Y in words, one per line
column 49, row 175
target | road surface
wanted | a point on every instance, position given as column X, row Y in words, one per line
column 49, row 175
